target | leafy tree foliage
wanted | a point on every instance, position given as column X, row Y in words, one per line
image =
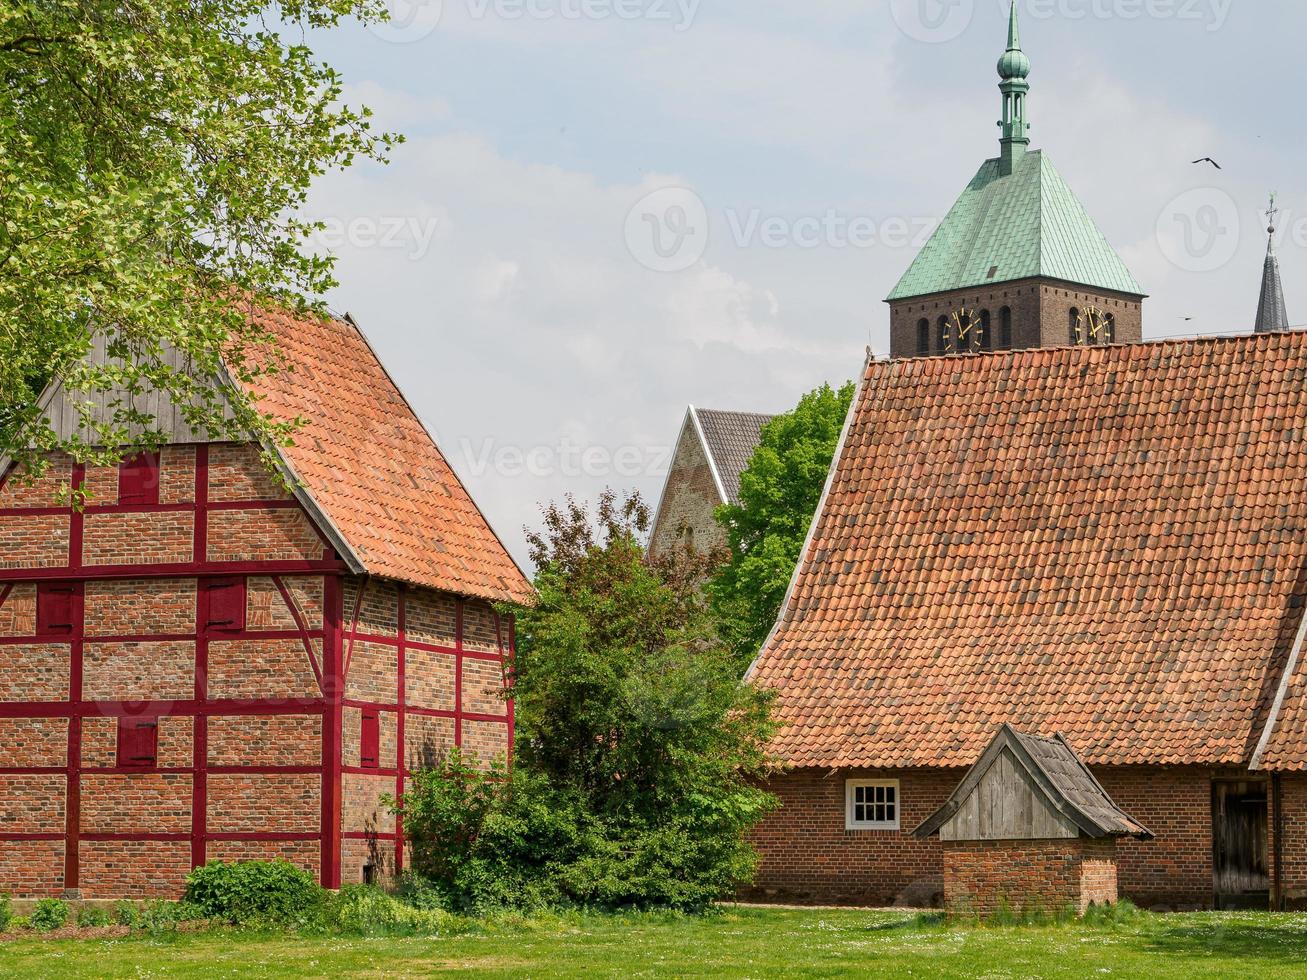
column 153, row 154
column 638, row 751
column 779, row 493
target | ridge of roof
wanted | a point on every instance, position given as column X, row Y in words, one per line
column 729, row 440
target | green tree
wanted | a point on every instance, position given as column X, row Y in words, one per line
column 639, row 753
column 153, row 157
column 779, row 493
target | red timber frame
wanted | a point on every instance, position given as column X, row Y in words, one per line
column 403, row 709
column 200, row 707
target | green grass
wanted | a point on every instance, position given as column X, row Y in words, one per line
column 741, row 942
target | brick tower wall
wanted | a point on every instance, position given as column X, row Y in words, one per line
column 1040, row 314
column 161, row 664
column 423, row 674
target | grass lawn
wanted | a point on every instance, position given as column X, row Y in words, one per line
column 741, row 942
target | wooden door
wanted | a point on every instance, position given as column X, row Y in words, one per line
column 1239, row 861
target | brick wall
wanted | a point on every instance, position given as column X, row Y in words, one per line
column 1040, row 314
column 449, row 653
column 982, row 877
column 247, row 708
column 246, row 741
column 808, row 856
column 690, row 497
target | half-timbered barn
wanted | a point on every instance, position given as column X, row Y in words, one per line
column 1107, row 543
column 200, row 664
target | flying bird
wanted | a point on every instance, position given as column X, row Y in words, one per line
column 1211, row 161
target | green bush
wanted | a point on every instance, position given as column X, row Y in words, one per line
column 6, row 911
column 90, row 916
column 368, row 911
column 49, row 913
column 126, row 914
column 253, row 892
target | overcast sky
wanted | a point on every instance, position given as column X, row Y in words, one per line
column 609, row 209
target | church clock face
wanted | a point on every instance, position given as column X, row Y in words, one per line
column 963, row 322
column 1094, row 327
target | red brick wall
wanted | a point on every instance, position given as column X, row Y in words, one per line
column 449, row 652
column 982, row 877
column 240, row 712
column 808, row 856
column 249, row 715
column 689, row 501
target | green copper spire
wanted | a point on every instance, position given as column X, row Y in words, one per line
column 1013, row 68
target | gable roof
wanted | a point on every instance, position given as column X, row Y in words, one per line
column 1020, row 226
column 730, row 438
column 363, row 466
column 373, row 469
column 1107, row 542
column 1057, row 773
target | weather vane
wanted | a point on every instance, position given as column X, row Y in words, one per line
column 1271, row 213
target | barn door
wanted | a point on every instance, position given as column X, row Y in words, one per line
column 1240, row 878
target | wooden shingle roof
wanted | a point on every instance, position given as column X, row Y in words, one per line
column 1054, row 770
column 1105, row 542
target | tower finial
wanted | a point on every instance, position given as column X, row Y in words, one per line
column 1013, row 69
column 1272, row 316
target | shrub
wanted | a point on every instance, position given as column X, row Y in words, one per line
column 249, row 892
column 126, row 914
column 6, row 911
column 367, row 910
column 49, row 913
column 90, row 916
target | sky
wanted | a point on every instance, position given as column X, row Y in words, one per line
column 607, row 210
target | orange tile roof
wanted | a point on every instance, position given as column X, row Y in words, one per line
column 1110, row 543
column 375, row 471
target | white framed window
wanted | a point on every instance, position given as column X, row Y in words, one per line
column 871, row 804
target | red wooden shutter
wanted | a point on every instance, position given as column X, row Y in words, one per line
column 370, row 741
column 224, row 604
column 138, row 480
column 55, row 608
column 138, row 743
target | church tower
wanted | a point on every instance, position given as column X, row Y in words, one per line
column 1017, row 262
